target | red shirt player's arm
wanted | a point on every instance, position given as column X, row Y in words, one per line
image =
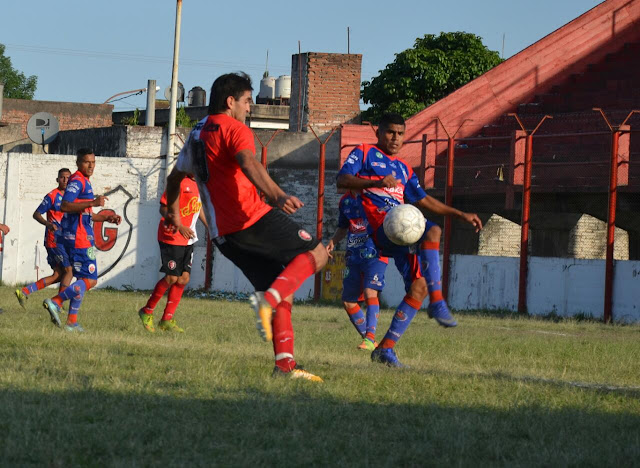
column 258, row 175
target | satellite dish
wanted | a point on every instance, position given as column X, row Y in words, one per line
column 42, row 128
column 167, row 93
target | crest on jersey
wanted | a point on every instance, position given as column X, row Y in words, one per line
column 112, row 240
column 304, row 235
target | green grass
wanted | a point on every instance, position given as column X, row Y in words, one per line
column 494, row 391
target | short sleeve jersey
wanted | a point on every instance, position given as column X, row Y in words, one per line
column 190, row 205
column 369, row 162
column 231, row 201
column 77, row 228
column 51, row 206
column 360, row 246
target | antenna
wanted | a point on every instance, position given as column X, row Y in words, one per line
column 503, row 37
column 348, row 40
column 266, row 66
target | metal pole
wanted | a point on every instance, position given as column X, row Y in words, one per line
column 423, row 159
column 611, row 215
column 208, row 274
column 263, row 156
column 524, row 226
column 1, row 99
column 611, row 227
column 526, row 208
column 448, row 199
column 320, row 204
column 174, row 92
column 150, row 114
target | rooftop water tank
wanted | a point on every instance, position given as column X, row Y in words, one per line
column 197, row 97
column 283, row 87
column 267, row 87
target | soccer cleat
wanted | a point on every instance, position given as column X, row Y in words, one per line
column 54, row 311
column 22, row 298
column 73, row 328
column 170, row 325
column 440, row 312
column 147, row 321
column 386, row 356
column 367, row 345
column 263, row 312
column 296, row 373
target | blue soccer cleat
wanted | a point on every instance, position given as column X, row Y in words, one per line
column 54, row 311
column 386, row 356
column 74, row 328
column 440, row 312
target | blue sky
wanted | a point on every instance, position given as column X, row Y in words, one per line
column 86, row 51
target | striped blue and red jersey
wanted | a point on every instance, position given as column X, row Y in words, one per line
column 51, row 206
column 369, row 162
column 360, row 246
column 77, row 228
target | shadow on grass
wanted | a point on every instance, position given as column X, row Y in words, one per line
column 94, row 428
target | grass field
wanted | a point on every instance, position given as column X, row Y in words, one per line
column 500, row 391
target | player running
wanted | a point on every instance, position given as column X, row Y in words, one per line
column 365, row 269
column 57, row 257
column 176, row 251
column 77, row 232
column 273, row 252
column 387, row 181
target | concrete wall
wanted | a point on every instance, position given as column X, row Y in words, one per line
column 564, row 286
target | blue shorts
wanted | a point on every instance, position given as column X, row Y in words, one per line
column 57, row 257
column 404, row 256
column 366, row 274
column 84, row 263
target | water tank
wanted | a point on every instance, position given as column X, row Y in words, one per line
column 267, row 87
column 283, row 87
column 197, row 97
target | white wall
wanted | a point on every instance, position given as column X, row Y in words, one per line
column 565, row 286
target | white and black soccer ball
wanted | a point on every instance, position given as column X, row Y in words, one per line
column 404, row 224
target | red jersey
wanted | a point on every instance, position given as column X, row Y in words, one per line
column 231, row 200
column 190, row 205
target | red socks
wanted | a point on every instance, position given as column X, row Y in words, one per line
column 300, row 268
column 175, row 294
column 156, row 295
column 283, row 337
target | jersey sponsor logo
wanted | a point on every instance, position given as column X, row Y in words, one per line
column 171, row 265
column 358, row 225
column 192, row 207
column 304, row 235
column 92, row 268
column 73, row 187
column 77, row 266
column 91, row 253
column 379, row 164
column 379, row 155
column 351, row 160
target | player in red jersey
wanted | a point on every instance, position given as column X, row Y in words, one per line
column 387, row 181
column 77, row 232
column 56, row 254
column 273, row 252
column 176, row 250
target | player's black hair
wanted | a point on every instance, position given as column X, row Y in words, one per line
column 231, row 84
column 390, row 119
column 82, row 152
column 64, row 169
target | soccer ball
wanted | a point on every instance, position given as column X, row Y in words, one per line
column 404, row 224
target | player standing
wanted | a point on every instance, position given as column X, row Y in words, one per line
column 387, row 181
column 57, row 257
column 176, row 251
column 77, row 231
column 365, row 268
column 272, row 251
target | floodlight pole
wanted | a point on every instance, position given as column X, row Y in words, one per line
column 174, row 92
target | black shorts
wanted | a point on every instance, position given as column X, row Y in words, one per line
column 264, row 249
column 176, row 259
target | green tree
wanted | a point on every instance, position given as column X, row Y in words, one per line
column 16, row 85
column 435, row 67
